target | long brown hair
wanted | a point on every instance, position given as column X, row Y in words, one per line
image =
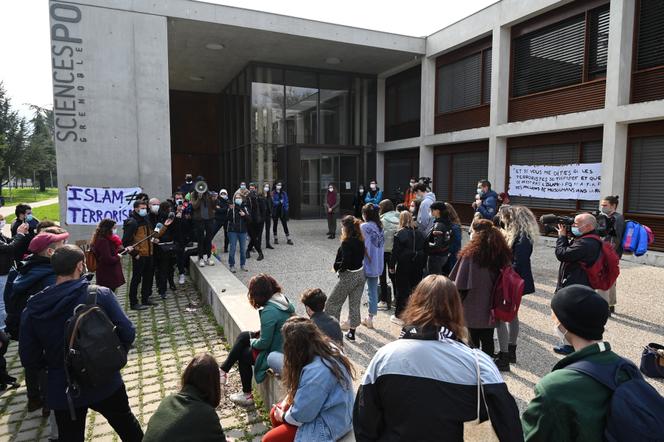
column 370, row 214
column 454, row 216
column 203, row 373
column 261, row 289
column 303, row 341
column 435, row 302
column 104, row 229
column 487, row 247
column 350, row 228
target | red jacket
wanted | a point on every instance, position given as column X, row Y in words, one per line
column 109, row 265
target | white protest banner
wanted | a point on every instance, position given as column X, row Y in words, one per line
column 89, row 205
column 570, row 181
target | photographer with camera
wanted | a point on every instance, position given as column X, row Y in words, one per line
column 612, row 232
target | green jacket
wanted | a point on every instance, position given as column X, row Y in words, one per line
column 184, row 416
column 568, row 405
column 273, row 315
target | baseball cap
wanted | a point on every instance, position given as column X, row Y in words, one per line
column 40, row 242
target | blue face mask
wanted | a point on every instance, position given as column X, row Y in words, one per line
column 29, row 217
column 143, row 212
column 576, row 231
column 238, row 202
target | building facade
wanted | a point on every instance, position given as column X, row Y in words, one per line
column 147, row 91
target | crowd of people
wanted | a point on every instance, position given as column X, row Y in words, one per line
column 443, row 368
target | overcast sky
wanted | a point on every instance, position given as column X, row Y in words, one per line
column 24, row 33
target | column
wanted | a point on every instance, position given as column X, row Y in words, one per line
column 500, row 77
column 427, row 103
column 614, row 160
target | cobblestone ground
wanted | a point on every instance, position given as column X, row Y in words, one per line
column 167, row 337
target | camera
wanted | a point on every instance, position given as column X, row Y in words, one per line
column 551, row 221
column 425, row 180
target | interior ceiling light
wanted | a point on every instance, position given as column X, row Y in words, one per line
column 214, row 46
column 196, row 78
column 332, row 60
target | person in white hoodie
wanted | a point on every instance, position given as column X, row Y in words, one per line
column 424, row 219
column 390, row 219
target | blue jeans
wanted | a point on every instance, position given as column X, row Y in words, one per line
column 372, row 285
column 233, row 238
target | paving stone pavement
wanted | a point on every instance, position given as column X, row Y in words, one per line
column 167, row 337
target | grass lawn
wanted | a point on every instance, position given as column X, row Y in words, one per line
column 27, row 195
column 50, row 212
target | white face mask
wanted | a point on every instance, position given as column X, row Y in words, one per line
column 266, row 189
column 373, row 186
column 331, row 189
column 154, row 208
column 278, row 187
column 115, row 230
column 560, row 334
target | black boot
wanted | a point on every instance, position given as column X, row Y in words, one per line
column 503, row 361
column 268, row 246
column 289, row 242
column 512, row 353
column 260, row 256
column 248, row 255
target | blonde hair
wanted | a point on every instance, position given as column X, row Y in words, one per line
column 519, row 220
column 406, row 220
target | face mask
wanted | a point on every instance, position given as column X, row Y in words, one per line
column 576, row 231
column 331, row 189
column 278, row 187
column 115, row 231
column 142, row 212
column 373, row 186
column 419, row 197
column 412, row 184
column 605, row 210
column 238, row 202
column 480, row 191
column 411, row 209
column 188, row 181
column 560, row 334
column 224, row 197
column 154, row 208
column 361, row 191
column 266, row 189
column 243, row 186
column 178, row 202
column 29, row 217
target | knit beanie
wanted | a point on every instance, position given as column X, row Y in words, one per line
column 581, row 311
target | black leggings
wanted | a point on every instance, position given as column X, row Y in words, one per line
column 482, row 338
column 242, row 354
column 284, row 224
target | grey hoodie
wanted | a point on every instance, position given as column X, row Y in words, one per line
column 390, row 222
column 424, row 220
column 280, row 302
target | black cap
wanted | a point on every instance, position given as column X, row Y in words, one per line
column 581, row 311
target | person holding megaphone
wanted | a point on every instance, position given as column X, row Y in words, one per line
column 203, row 215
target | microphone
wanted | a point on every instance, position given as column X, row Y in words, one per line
column 157, row 228
column 171, row 215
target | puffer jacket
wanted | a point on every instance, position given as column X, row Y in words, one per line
column 390, row 222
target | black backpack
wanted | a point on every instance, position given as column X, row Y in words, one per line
column 93, row 351
column 636, row 412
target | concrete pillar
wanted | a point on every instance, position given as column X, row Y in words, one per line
column 619, row 63
column 427, row 112
column 614, row 159
column 380, row 111
column 500, row 75
column 497, row 163
column 380, row 171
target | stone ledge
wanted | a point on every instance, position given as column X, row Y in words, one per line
column 227, row 297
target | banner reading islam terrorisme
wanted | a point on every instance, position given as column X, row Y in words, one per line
column 569, row 181
column 89, row 205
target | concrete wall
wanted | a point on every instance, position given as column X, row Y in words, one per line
column 112, row 128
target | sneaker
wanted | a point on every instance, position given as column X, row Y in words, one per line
column 563, row 349
column 289, row 242
column 350, row 335
column 181, row 279
column 268, row 246
column 396, row 321
column 201, row 263
column 260, row 257
column 163, row 295
column 242, row 399
column 139, row 307
column 368, row 322
column 345, row 326
column 233, row 270
column 150, row 303
column 244, row 269
column 276, row 240
column 223, row 377
column 210, row 261
column 382, row 305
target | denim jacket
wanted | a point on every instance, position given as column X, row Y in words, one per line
column 322, row 408
column 374, row 243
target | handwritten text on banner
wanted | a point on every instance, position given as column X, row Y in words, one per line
column 89, row 205
column 570, row 181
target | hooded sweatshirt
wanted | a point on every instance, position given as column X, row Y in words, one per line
column 374, row 244
column 390, row 222
column 272, row 315
column 424, row 220
column 43, row 333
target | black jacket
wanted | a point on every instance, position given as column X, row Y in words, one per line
column 350, row 255
column 571, row 255
column 221, row 211
column 358, row 203
column 237, row 223
column 257, row 207
column 522, row 249
column 269, row 205
column 8, row 248
column 439, row 244
column 408, row 249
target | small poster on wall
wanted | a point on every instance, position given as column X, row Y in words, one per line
column 569, row 181
column 89, row 205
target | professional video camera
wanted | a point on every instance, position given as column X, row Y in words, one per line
column 605, row 224
column 425, row 180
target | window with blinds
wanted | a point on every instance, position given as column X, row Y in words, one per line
column 650, row 43
column 598, row 45
column 465, row 83
column 442, row 179
column 466, row 169
column 645, row 176
column 402, row 104
column 556, row 155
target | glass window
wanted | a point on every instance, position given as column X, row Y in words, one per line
column 650, row 49
column 459, row 84
column 334, row 105
column 467, row 169
column 301, row 106
column 402, row 104
column 645, row 176
column 598, row 47
column 267, row 102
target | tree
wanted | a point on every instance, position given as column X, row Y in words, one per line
column 13, row 136
column 40, row 152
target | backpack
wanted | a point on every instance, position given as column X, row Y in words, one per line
column 637, row 238
column 602, row 274
column 90, row 259
column 636, row 410
column 93, row 351
column 506, row 295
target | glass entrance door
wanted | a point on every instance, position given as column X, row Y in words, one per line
column 318, row 170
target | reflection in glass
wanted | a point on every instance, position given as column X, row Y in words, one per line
column 334, row 103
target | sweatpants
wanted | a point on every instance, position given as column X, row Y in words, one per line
column 350, row 286
column 507, row 333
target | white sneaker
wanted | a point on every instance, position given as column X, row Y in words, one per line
column 396, row 320
column 368, row 322
column 201, row 262
column 210, row 261
column 242, row 399
column 345, row 326
column 223, row 378
column 181, row 280
column 382, row 305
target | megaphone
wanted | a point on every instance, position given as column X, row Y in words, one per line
column 201, row 187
